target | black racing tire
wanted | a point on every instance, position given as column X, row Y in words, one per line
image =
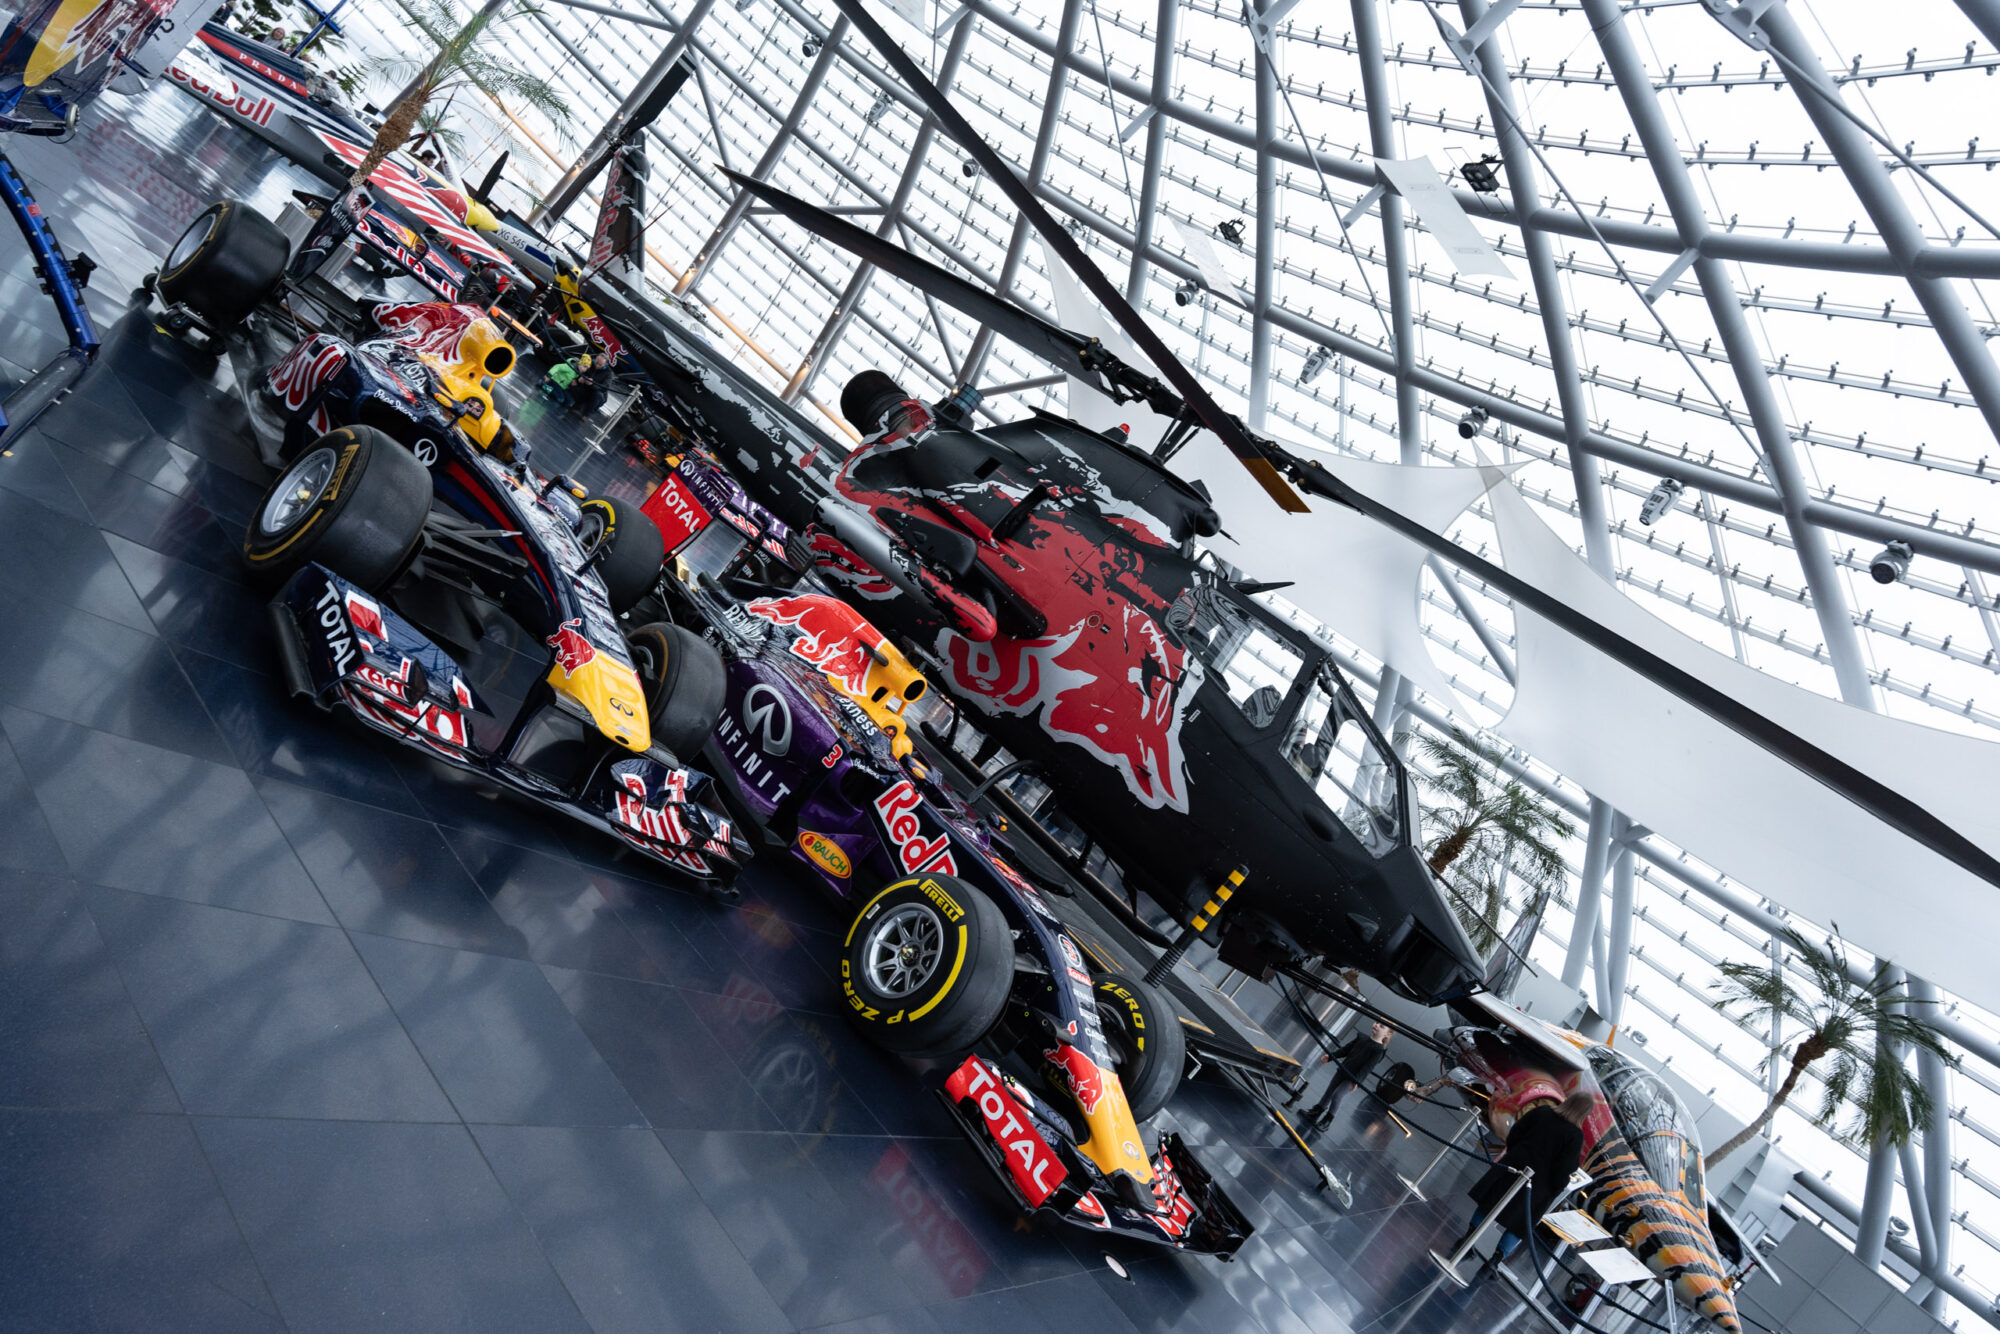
column 354, row 501
column 947, row 993
column 631, row 566
column 1148, row 1045
column 229, row 259
column 685, row 685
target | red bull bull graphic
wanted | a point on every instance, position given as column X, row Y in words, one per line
column 428, row 326
column 573, row 651
column 305, row 368
column 1110, row 681
column 832, row 636
column 1080, row 1074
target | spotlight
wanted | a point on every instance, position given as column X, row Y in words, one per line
column 1315, row 363
column 1472, row 423
column 811, row 47
column 1187, row 292
column 969, row 168
column 879, row 107
column 1661, row 503
column 1479, row 177
column 1891, row 562
column 1231, row 231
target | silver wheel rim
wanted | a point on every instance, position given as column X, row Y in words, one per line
column 902, row 951
column 297, row 492
column 191, row 240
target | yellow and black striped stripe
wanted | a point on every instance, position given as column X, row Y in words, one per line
column 1660, row 1227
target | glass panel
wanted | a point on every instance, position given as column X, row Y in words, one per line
column 1331, row 748
column 1253, row 665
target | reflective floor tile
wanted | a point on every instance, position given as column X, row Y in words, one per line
column 389, row 874
column 494, row 1033
column 255, row 1016
column 114, row 1222
column 678, row 1074
column 69, row 1036
column 633, row 1241
column 808, row 1244
column 138, row 817
column 361, row 1227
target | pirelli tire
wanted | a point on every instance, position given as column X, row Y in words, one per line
column 685, row 685
column 354, row 501
column 926, row 966
column 634, row 549
column 1147, row 1042
column 229, row 260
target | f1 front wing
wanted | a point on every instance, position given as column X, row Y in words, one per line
column 1029, row 1148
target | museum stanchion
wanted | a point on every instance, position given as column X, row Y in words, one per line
column 1415, row 1185
column 1449, row 1264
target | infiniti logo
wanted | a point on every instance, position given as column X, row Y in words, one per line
column 768, row 718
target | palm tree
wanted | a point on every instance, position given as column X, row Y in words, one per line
column 1847, row 1021
column 1490, row 830
column 457, row 63
column 433, row 132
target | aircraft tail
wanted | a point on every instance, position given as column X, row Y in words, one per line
column 619, row 242
column 1510, row 956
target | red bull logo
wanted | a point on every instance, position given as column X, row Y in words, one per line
column 1080, row 1073
column 832, row 636
column 573, row 651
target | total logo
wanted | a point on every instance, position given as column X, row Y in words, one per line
column 1030, row 1162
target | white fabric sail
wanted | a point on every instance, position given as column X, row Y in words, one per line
column 1736, row 806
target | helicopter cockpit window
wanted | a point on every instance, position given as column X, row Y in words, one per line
column 1256, row 667
column 1331, row 748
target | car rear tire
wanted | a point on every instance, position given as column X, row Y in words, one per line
column 631, row 564
column 927, row 966
column 685, row 685
column 354, row 501
column 228, row 260
column 1147, row 1042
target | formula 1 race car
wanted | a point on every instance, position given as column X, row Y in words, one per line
column 406, row 510
column 949, row 947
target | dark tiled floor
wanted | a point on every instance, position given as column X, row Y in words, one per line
column 301, row 1031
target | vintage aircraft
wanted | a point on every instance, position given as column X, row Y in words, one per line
column 1640, row 1149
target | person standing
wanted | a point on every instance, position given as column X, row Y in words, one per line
column 1548, row 1142
column 1353, row 1063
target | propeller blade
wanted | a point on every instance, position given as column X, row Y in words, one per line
column 1227, row 428
column 1067, row 352
column 484, row 194
column 1879, row 799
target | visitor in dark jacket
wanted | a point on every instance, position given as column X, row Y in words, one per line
column 1548, row 1141
column 1353, row 1063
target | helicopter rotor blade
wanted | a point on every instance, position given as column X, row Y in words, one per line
column 1071, row 353
column 1235, row 439
column 1271, row 463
